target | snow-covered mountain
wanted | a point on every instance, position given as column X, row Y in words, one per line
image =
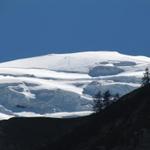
column 63, row 84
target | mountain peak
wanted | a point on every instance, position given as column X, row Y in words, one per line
column 58, row 84
column 55, row 61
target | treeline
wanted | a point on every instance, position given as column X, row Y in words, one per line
column 103, row 100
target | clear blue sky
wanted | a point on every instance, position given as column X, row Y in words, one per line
column 35, row 27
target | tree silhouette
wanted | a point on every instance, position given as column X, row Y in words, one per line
column 98, row 102
column 146, row 78
column 116, row 97
column 102, row 101
column 107, row 97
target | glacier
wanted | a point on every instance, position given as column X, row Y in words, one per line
column 62, row 85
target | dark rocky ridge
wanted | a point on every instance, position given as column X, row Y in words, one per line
column 125, row 125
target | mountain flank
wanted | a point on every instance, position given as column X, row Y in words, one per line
column 125, row 125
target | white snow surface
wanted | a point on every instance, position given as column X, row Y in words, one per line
column 62, row 85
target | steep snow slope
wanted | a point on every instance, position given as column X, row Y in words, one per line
column 65, row 83
column 76, row 62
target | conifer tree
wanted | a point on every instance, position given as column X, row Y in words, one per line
column 146, row 78
column 116, row 97
column 98, row 102
column 107, row 97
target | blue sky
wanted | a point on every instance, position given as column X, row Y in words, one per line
column 36, row 27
